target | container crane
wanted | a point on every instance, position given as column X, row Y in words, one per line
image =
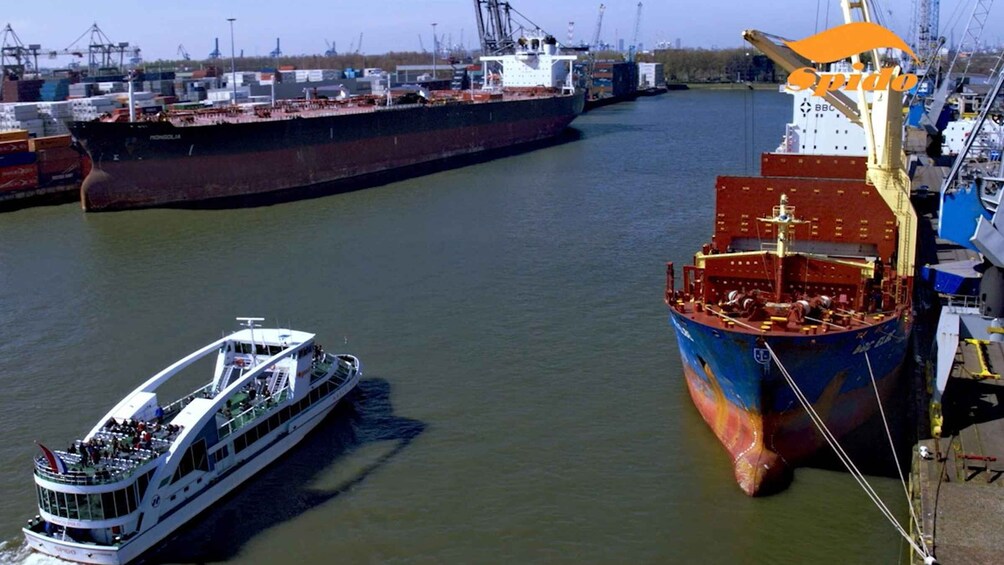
column 633, row 50
column 595, row 43
column 277, row 52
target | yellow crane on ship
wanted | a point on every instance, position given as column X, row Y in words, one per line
column 882, row 120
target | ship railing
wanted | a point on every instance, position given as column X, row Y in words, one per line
column 261, row 406
column 961, row 300
column 179, row 405
column 108, row 470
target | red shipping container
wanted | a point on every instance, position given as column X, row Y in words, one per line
column 20, row 177
column 19, row 146
column 57, row 154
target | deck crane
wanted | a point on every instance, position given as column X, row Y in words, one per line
column 183, row 53
column 595, row 43
column 277, row 52
column 633, row 50
column 215, row 53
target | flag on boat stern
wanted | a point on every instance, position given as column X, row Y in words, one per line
column 55, row 462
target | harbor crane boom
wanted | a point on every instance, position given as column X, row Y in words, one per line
column 789, row 61
column 595, row 43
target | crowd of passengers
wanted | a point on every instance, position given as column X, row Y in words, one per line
column 138, row 435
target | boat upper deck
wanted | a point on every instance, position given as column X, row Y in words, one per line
column 253, row 370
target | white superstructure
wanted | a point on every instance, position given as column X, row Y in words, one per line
column 149, row 466
column 818, row 128
column 538, row 62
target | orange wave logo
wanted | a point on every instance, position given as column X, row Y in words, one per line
column 846, row 40
column 840, row 43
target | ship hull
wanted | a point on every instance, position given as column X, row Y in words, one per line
column 147, row 164
column 743, row 396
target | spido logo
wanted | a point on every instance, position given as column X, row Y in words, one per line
column 840, row 43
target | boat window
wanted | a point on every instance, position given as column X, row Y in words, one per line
column 108, row 504
column 261, row 349
column 83, row 507
column 143, row 482
column 193, row 459
column 95, row 504
column 121, row 503
column 245, row 348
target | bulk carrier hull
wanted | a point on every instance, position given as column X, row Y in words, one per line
column 743, row 396
column 158, row 163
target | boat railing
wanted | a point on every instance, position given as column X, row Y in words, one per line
column 961, row 300
column 261, row 406
column 108, row 470
column 179, row 405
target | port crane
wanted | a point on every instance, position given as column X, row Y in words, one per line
column 494, row 21
column 18, row 58
column 277, row 52
column 183, row 53
column 633, row 50
column 332, row 51
column 215, row 53
column 595, row 43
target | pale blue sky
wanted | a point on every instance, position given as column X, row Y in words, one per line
column 161, row 25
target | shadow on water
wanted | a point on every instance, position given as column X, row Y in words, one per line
column 219, row 533
column 371, row 180
column 868, row 445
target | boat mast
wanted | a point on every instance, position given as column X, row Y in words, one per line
column 249, row 323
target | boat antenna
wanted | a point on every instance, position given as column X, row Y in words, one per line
column 250, row 324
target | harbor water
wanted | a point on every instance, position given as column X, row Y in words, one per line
column 522, row 398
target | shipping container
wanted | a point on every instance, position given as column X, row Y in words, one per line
column 51, row 142
column 18, row 178
column 18, row 146
column 14, row 135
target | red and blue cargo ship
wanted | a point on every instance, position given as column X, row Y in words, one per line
column 799, row 279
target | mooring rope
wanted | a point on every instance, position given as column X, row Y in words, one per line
column 892, row 447
column 844, row 458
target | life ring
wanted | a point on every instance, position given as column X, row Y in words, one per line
column 239, row 362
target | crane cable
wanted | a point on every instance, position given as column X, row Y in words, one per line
column 892, row 448
column 844, row 458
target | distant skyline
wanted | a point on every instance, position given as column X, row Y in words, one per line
column 158, row 28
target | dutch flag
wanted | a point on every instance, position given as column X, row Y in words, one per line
column 55, row 462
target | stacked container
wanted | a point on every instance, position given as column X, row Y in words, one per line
column 58, row 163
column 17, row 163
